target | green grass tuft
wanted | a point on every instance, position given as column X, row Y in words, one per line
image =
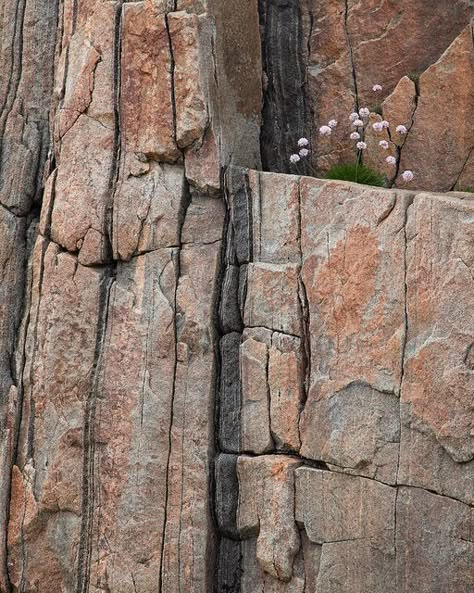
column 361, row 174
column 415, row 76
column 376, row 108
column 469, row 190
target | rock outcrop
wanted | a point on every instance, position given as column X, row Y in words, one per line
column 214, row 378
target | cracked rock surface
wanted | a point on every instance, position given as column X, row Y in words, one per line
column 218, row 380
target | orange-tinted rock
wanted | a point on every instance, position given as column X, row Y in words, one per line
column 353, row 271
column 269, row 284
column 255, row 411
column 399, row 107
column 352, row 46
column 191, row 108
column 57, row 381
column 147, row 205
column 147, row 120
column 392, row 40
column 266, row 511
column 438, row 379
column 285, row 378
column 440, row 142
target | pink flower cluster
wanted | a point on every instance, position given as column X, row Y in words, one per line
column 359, row 121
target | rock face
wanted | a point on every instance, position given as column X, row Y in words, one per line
column 337, row 50
column 214, row 378
column 377, row 409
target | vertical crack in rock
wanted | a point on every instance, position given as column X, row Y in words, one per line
column 89, row 487
column 284, row 117
column 351, row 54
column 15, row 68
column 177, row 264
column 172, row 74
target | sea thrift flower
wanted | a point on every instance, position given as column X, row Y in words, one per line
column 355, row 136
column 358, row 123
column 402, row 130
column 304, row 152
column 354, row 116
column 407, row 176
column 378, row 127
column 385, row 123
column 303, row 142
column 376, row 88
column 364, row 112
column 391, row 160
column 325, row 131
column 332, row 124
column 361, row 145
column 294, row 158
column 383, row 144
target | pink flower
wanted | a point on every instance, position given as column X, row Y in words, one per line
column 294, row 158
column 391, row 160
column 402, row 130
column 383, row 144
column 385, row 123
column 358, row 123
column 325, row 131
column 355, row 136
column 361, row 145
column 304, row 152
column 332, row 123
column 364, row 112
column 376, row 88
column 303, row 142
column 407, row 176
column 354, row 116
column 378, row 127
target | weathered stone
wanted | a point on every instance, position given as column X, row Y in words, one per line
column 148, row 207
column 29, row 36
column 255, row 413
column 356, row 429
column 285, row 380
column 229, row 570
column 351, row 508
column 355, row 523
column 227, row 494
column 204, row 221
column 353, row 271
column 352, row 46
column 284, row 108
column 266, row 511
column 255, row 580
column 147, row 118
column 275, row 218
column 132, row 423
column 435, row 543
column 437, row 149
column 230, row 393
column 191, row 107
column 269, row 284
column 58, row 390
column 229, row 311
column 399, row 107
column 438, row 381
column 189, row 532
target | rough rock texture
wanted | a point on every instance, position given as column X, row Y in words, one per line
column 366, row 406
column 214, row 379
column 334, row 53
